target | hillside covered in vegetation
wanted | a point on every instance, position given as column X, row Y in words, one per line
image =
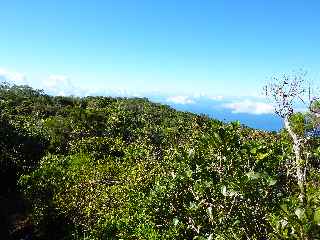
column 120, row 168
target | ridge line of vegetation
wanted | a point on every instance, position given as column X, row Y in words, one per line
column 119, row 168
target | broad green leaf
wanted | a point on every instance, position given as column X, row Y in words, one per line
column 224, row 191
column 253, row 175
column 271, row 181
column 175, row 221
column 284, row 207
column 189, row 173
column 217, row 137
column 209, row 210
column 253, row 151
column 236, row 222
column 191, row 153
column 283, row 223
column 193, row 206
column 316, row 216
column 300, row 212
column 262, row 155
column 232, row 193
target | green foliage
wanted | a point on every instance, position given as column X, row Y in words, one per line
column 117, row 168
column 298, row 123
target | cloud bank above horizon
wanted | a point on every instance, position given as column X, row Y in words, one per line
column 14, row 77
column 250, row 106
column 62, row 85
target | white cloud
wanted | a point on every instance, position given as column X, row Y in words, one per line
column 55, row 81
column 249, row 106
column 62, row 85
column 180, row 100
column 216, row 98
column 12, row 77
column 59, row 85
column 203, row 95
column 199, row 95
column 115, row 92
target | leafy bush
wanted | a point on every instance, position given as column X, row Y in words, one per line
column 117, row 168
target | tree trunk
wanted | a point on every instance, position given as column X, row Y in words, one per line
column 300, row 163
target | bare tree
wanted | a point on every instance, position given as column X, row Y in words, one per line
column 286, row 92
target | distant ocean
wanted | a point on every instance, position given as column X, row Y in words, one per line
column 266, row 122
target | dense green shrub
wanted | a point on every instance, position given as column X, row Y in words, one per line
column 117, row 168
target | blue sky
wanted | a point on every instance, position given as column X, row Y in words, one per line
column 178, row 48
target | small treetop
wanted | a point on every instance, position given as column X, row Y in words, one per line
column 285, row 91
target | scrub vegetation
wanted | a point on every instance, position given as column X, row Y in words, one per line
column 127, row 168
